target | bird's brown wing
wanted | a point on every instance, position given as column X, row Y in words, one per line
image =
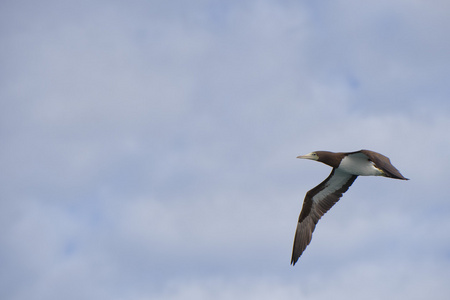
column 383, row 163
column 317, row 202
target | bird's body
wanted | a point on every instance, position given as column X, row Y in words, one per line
column 358, row 164
column 346, row 168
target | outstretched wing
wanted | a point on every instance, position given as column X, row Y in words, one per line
column 317, row 202
column 383, row 163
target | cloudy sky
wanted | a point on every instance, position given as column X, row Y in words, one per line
column 148, row 148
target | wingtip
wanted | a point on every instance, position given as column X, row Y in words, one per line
column 396, row 175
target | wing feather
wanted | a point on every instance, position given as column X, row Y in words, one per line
column 317, row 202
column 383, row 163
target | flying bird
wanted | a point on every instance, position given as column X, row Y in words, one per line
column 346, row 167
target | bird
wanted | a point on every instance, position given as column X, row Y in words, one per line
column 347, row 166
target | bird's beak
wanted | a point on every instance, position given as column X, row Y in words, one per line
column 308, row 156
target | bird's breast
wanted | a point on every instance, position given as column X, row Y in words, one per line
column 359, row 165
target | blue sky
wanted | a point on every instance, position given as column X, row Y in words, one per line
column 148, row 148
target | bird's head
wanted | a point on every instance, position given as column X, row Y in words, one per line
column 329, row 158
column 311, row 156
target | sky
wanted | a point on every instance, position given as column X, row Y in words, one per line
column 148, row 148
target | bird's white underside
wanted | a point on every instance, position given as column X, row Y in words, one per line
column 359, row 164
